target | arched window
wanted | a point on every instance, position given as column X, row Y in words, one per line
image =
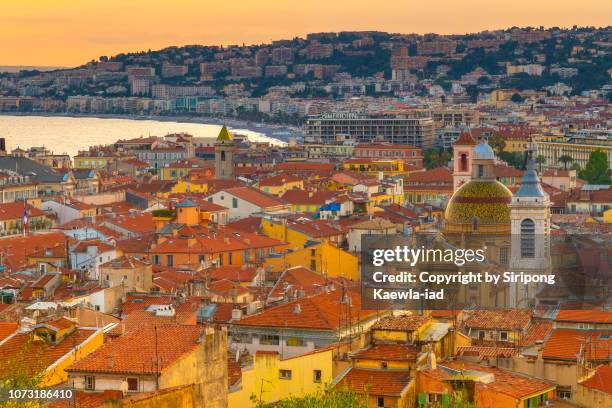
column 463, row 163
column 480, row 171
column 527, row 238
column 222, row 155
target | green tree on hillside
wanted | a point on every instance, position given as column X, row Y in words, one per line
column 498, row 143
column 597, row 169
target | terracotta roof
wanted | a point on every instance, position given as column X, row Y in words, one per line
column 485, row 353
column 508, row 319
column 235, row 273
column 247, row 224
column 388, row 352
column 7, row 328
column 39, row 354
column 465, row 139
column 87, row 399
column 404, row 322
column 16, row 250
column 506, row 382
column 537, row 333
column 144, row 318
column 136, row 223
column 376, row 382
column 255, row 196
column 12, row 211
column 278, row 180
column 304, row 197
column 305, row 166
column 600, row 379
column 567, row 344
column 318, row 312
column 82, row 246
column 148, row 350
column 315, row 228
column 298, row 279
column 227, row 288
column 584, row 316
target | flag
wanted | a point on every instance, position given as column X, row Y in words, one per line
column 25, row 218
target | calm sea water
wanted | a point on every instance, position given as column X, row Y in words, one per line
column 71, row 134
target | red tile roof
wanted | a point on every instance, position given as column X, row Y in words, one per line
column 537, row 333
column 508, row 319
column 303, row 197
column 7, row 328
column 567, row 344
column 584, row 316
column 16, row 250
column 278, row 180
column 255, row 196
column 506, row 382
column 298, row 279
column 465, row 139
column 248, row 224
column 12, row 211
column 37, row 355
column 234, row 273
column 376, row 382
column 600, row 379
column 147, row 350
column 318, row 312
column 388, row 352
column 404, row 322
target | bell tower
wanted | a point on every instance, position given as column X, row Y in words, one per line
column 225, row 147
column 463, row 152
column 530, row 226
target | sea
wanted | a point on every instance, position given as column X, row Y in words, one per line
column 65, row 134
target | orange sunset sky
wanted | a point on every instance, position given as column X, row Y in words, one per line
column 71, row 32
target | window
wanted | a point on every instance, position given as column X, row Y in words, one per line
column 284, row 374
column 463, row 163
column 156, row 259
column 527, row 238
column 503, row 336
column 295, row 341
column 269, row 340
column 380, row 402
column 384, row 365
column 229, row 258
column 132, row 384
column 503, row 256
column 222, row 155
column 90, row 382
column 169, row 260
column 480, row 171
column 234, row 202
column 481, row 335
column 564, row 393
column 316, row 376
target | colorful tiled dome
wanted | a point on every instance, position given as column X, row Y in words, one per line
column 486, row 200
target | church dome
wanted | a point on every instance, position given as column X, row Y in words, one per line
column 483, row 151
column 481, row 202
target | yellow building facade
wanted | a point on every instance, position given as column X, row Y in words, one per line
column 323, row 258
column 273, row 379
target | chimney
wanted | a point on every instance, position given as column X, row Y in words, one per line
column 297, row 309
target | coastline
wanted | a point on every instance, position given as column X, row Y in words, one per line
column 280, row 132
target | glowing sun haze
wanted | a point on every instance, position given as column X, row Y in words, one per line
column 72, row 32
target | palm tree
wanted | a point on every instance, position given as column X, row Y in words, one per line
column 565, row 159
column 540, row 160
